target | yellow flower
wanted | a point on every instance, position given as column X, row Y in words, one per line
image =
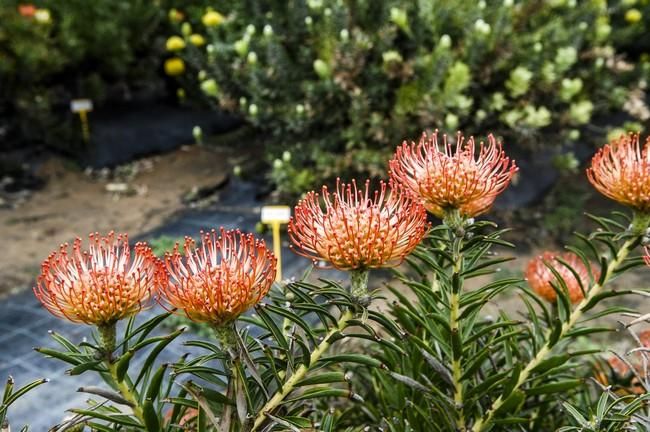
column 175, row 43
column 43, row 16
column 212, row 18
column 633, row 16
column 197, row 40
column 174, row 66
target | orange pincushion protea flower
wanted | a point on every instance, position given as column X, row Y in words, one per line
column 621, row 171
column 27, row 10
column 101, row 285
column 215, row 283
column 358, row 229
column 540, row 277
column 449, row 178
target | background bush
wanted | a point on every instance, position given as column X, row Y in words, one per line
column 109, row 51
column 337, row 84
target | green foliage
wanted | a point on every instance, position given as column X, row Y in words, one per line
column 337, row 83
column 164, row 243
column 464, row 370
column 234, row 385
column 310, row 356
column 11, row 395
column 566, row 206
column 104, row 50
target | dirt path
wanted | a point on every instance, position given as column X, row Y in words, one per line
column 136, row 199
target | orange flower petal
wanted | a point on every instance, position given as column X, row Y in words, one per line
column 448, row 177
column 219, row 280
column 101, row 285
column 358, row 228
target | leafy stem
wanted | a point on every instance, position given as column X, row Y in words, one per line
column 359, row 286
column 122, row 383
column 300, row 373
column 620, row 256
column 227, row 336
column 454, row 323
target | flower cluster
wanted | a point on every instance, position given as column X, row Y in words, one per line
column 453, row 177
column 358, row 229
column 352, row 228
column 621, row 171
column 540, row 277
column 219, row 280
column 214, row 283
column 40, row 15
column 101, row 285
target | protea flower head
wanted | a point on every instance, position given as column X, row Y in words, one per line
column 358, row 229
column 621, row 171
column 100, row 285
column 219, row 280
column 453, row 177
column 540, row 276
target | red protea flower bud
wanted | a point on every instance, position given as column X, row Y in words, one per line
column 621, row 171
column 356, row 229
column 539, row 276
column 222, row 278
column 453, row 178
column 101, row 285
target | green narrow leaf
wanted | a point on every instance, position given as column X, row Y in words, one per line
column 556, row 387
column 153, row 389
column 282, row 422
column 146, row 366
column 119, row 419
column 512, row 381
column 271, row 326
column 65, row 343
column 551, row 363
column 9, row 388
column 512, row 403
column 123, row 365
column 84, row 367
column 322, row 392
column 582, row 421
column 23, row 390
column 59, row 355
column 351, row 358
column 322, row 378
column 151, row 420
column 201, row 420
column 556, row 333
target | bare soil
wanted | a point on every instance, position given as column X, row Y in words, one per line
column 133, row 199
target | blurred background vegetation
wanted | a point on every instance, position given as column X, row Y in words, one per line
column 329, row 87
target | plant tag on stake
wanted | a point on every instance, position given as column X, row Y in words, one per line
column 276, row 216
column 82, row 107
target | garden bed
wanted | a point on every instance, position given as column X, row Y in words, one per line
column 135, row 199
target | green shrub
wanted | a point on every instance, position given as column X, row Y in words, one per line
column 337, row 84
column 328, row 356
column 62, row 50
